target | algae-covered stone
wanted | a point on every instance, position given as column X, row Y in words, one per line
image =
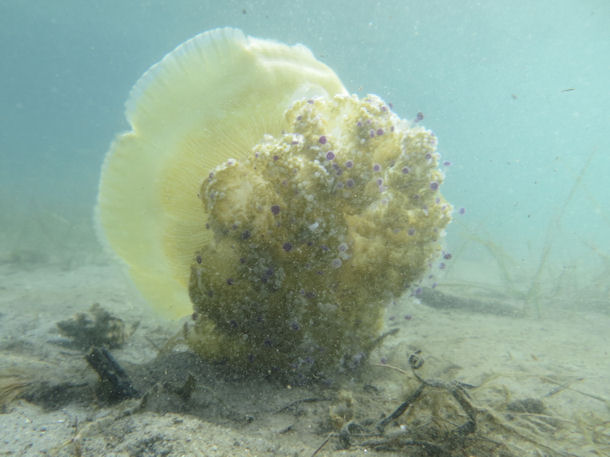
column 313, row 234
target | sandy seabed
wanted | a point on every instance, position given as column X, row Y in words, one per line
column 555, row 366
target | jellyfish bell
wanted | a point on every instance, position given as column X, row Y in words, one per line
column 210, row 100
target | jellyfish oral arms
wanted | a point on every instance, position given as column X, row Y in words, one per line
column 342, row 213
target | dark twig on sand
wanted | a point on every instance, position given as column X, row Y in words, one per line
column 115, row 385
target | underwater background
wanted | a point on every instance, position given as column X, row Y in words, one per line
column 517, row 92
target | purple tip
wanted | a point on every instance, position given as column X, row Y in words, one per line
column 275, row 209
column 330, row 155
column 322, row 139
column 434, row 185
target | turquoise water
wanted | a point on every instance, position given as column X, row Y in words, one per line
column 517, row 93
